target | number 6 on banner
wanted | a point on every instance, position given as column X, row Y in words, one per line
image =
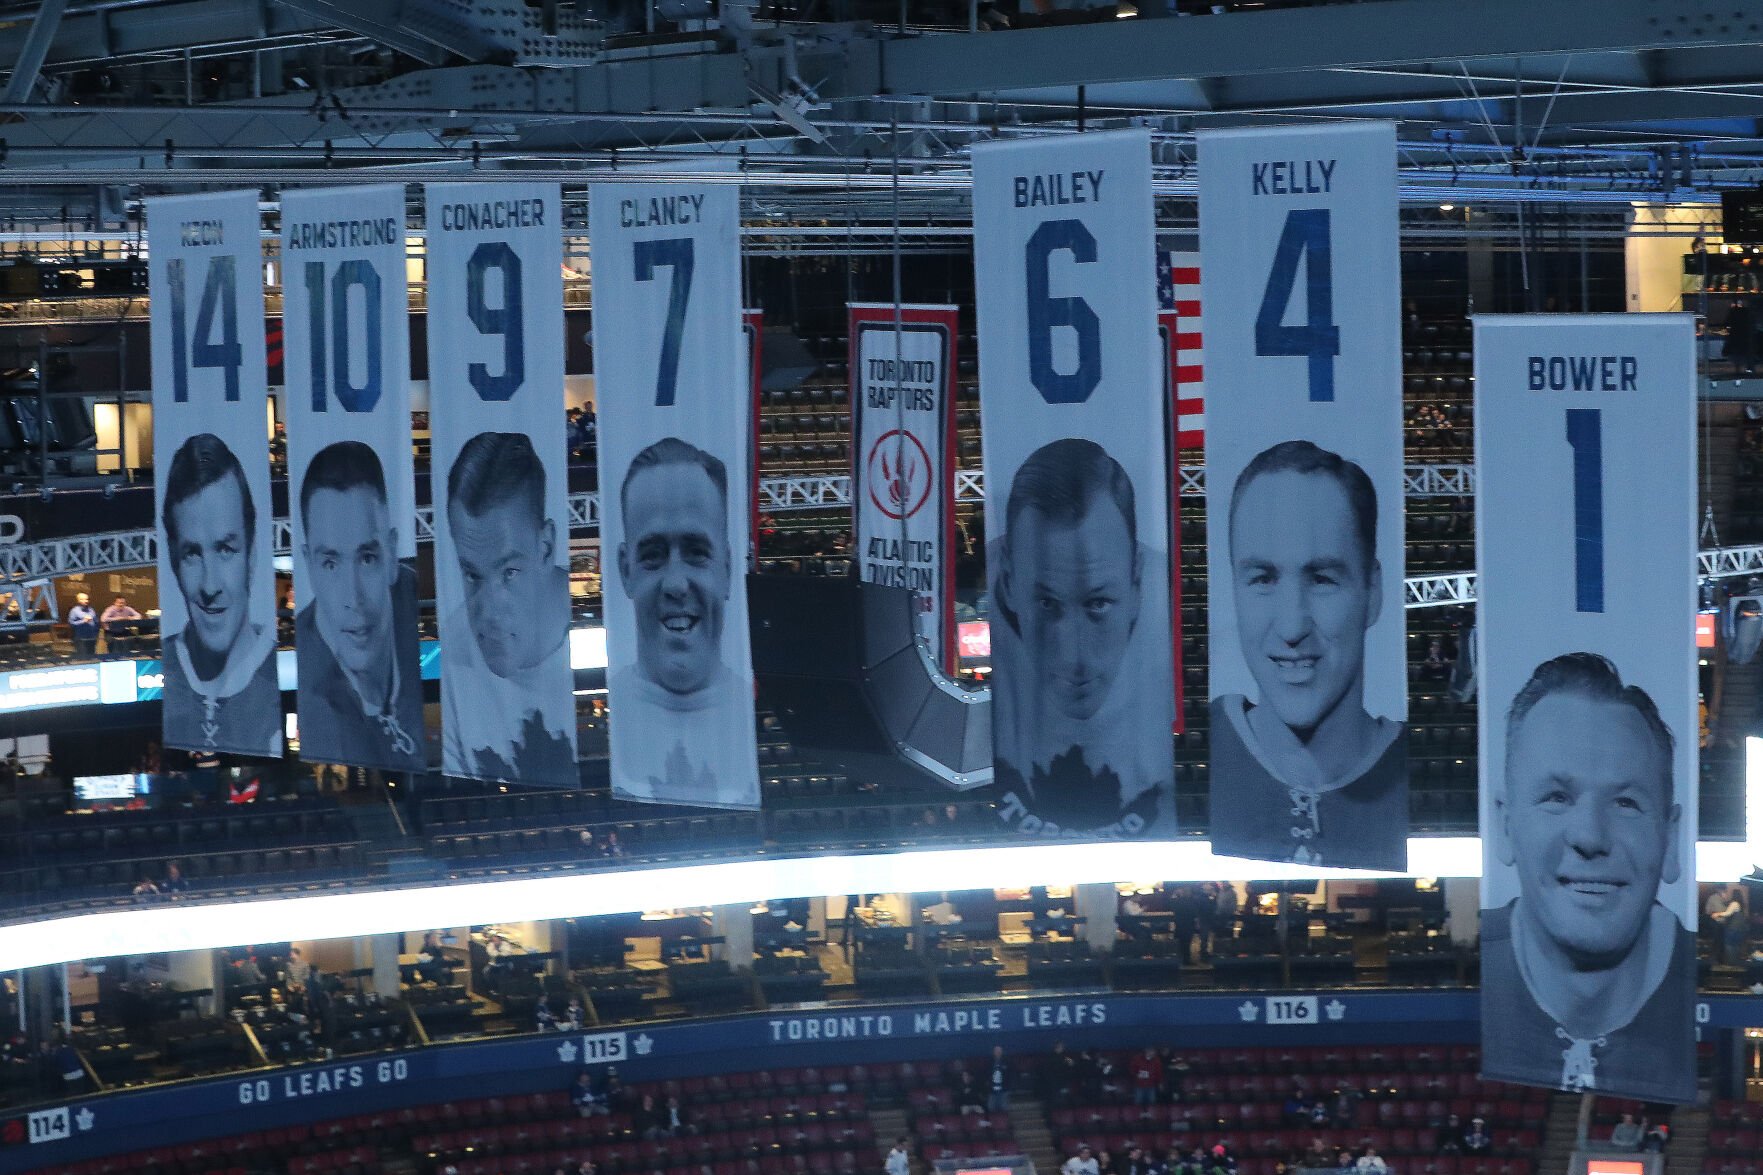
column 1306, row 231
column 676, row 254
column 1046, row 312
column 218, row 290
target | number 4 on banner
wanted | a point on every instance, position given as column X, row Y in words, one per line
column 1306, row 231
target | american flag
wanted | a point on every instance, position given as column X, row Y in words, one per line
column 1190, row 375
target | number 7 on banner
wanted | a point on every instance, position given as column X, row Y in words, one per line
column 676, row 254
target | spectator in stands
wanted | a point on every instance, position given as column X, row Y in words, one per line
column 1733, row 925
column 503, row 719
column 1185, row 906
column 360, row 681
column 175, row 885
column 999, row 1083
column 1175, row 1076
column 1319, row 1114
column 1225, row 916
column 1477, row 1140
column 1082, row 1163
column 676, row 1120
column 968, row 1097
column 545, row 1020
column 146, row 889
column 82, row 622
column 1451, row 1136
column 1657, row 1136
column 1591, row 967
column 899, row 1160
column 1071, row 753
column 1626, row 1134
column 1105, row 1162
column 1302, row 516
column 585, row 1097
column 1346, row 1161
column 1147, row 1077
column 1317, row 1155
column 1060, row 1077
column 115, row 621
column 1371, row 1163
column 610, row 847
column 1346, row 1104
column 220, row 685
column 575, row 1015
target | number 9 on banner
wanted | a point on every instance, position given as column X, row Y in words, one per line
column 505, row 320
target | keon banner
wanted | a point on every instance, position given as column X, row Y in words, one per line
column 1585, row 527
column 675, row 443
column 501, row 499
column 351, row 486
column 1301, row 282
column 1077, row 518
column 211, row 450
column 903, row 458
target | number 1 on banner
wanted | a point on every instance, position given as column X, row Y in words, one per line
column 676, row 254
column 1306, row 232
column 218, row 289
column 1585, row 433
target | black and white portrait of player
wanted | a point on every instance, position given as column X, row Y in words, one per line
column 220, row 679
column 1597, row 970
column 503, row 718
column 360, row 684
column 675, row 567
column 1073, row 749
column 1305, row 773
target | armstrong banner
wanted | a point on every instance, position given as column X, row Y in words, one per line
column 211, row 451
column 351, row 486
column 501, row 500
column 903, row 458
column 1077, row 468
column 675, row 442
column 1301, row 281
column 1586, row 523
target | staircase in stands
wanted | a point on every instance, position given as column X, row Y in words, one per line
column 1560, row 1133
column 1028, row 1124
column 1689, row 1141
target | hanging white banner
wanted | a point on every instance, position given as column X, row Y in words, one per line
column 211, row 490
column 1072, row 402
column 1302, row 281
column 1585, row 527
column 673, row 376
column 351, row 477
column 499, row 481
column 903, row 458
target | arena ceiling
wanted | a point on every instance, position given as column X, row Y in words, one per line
column 1561, row 101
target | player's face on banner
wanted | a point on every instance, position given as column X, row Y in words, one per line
column 505, row 562
column 213, row 562
column 674, row 562
column 351, row 567
column 1305, row 594
column 1589, row 822
column 1074, row 589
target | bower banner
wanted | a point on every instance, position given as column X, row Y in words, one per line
column 211, row 495
column 1303, row 368
column 903, row 458
column 351, row 487
column 1585, row 527
column 1077, row 519
column 501, row 498
column 675, row 443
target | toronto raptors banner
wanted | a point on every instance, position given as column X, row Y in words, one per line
column 1585, row 527
column 1304, row 488
column 498, row 481
column 902, row 458
column 211, row 491
column 1077, row 519
column 675, row 443
column 351, row 489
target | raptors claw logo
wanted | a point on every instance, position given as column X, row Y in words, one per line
column 898, row 480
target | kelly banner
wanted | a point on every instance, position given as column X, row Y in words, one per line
column 1585, row 530
column 211, row 451
column 495, row 339
column 1077, row 473
column 351, row 486
column 1301, row 282
column 675, row 447
column 903, row 458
